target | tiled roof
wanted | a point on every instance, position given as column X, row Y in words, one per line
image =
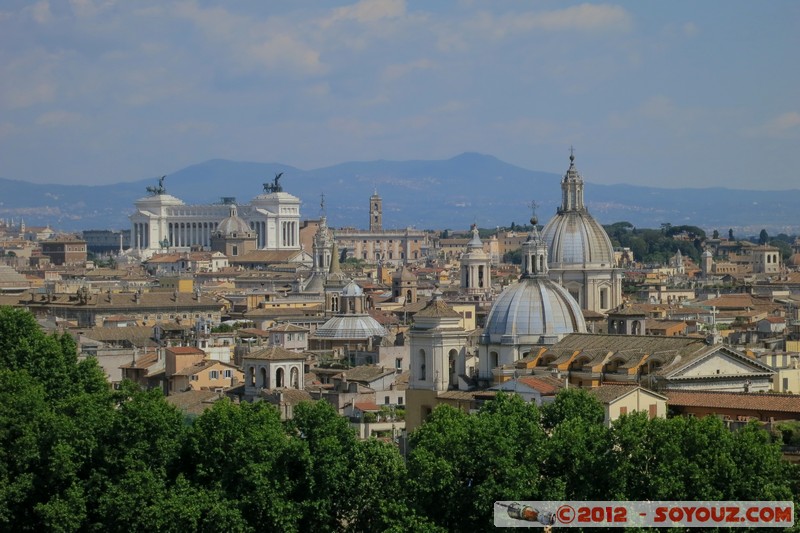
column 185, row 350
column 545, row 384
column 287, row 328
column 367, row 406
column 437, row 308
column 275, row 353
column 365, row 373
column 142, row 362
column 195, row 368
column 608, row 393
column 193, row 401
column 266, row 256
column 784, row 403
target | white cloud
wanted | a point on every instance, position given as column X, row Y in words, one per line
column 57, row 118
column 19, row 96
column 90, row 8
column 41, row 12
column 284, row 50
column 690, row 29
column 367, row 11
column 583, row 18
column 393, row 72
column 782, row 126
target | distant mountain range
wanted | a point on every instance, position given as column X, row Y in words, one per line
column 442, row 194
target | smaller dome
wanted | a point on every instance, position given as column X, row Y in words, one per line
column 233, row 225
column 350, row 327
column 352, row 289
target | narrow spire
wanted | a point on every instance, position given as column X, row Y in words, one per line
column 336, row 268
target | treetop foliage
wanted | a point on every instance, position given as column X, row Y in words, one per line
column 77, row 456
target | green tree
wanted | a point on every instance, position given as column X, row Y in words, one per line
column 572, row 403
column 763, row 237
column 461, row 464
column 715, row 234
column 242, row 451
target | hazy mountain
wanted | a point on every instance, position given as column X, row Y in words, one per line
column 450, row 193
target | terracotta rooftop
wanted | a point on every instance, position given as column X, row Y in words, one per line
column 608, row 393
column 437, row 308
column 275, row 353
column 784, row 403
column 367, row 406
column 194, row 401
column 185, row 350
column 545, row 385
column 365, row 373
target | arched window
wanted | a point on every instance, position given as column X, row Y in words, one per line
column 251, row 376
column 408, row 296
column 452, row 358
column 422, row 365
column 264, row 382
column 493, row 360
column 279, row 378
column 294, row 378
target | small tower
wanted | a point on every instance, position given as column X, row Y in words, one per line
column 476, row 276
column 572, row 187
column 534, row 253
column 438, row 357
column 404, row 285
column 322, row 247
column 375, row 213
column 706, row 263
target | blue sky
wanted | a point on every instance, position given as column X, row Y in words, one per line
column 667, row 94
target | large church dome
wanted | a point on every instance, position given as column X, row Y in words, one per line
column 530, row 309
column 535, row 310
column 573, row 237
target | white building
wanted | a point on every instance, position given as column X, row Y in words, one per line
column 163, row 221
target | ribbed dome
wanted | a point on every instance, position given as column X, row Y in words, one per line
column 350, row 327
column 575, row 238
column 530, row 308
column 233, row 225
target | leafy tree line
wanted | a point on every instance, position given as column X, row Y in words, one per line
column 657, row 245
column 77, row 456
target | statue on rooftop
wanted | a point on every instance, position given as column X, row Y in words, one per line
column 155, row 191
column 274, row 186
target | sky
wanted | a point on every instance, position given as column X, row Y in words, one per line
column 672, row 94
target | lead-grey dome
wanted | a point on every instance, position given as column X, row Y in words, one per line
column 233, row 225
column 536, row 309
column 532, row 308
column 350, row 327
column 573, row 237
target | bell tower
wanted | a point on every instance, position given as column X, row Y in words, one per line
column 375, row 212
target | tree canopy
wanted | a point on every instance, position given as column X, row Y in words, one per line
column 78, row 456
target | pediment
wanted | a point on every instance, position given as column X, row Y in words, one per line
column 721, row 362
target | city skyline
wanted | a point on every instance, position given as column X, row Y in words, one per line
column 684, row 95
